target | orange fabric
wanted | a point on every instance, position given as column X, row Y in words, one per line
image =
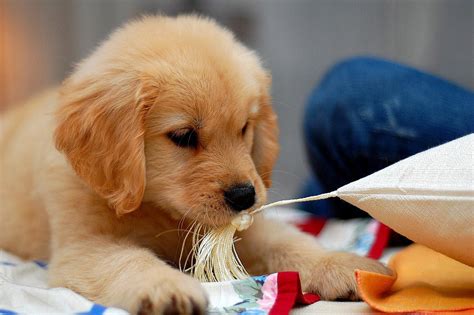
column 425, row 281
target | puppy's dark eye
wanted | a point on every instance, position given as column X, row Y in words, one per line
column 184, row 138
column 244, row 129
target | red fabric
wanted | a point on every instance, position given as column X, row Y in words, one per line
column 381, row 240
column 312, row 225
column 289, row 294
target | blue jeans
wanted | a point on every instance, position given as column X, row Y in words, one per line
column 368, row 113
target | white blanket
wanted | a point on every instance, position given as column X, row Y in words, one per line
column 24, row 290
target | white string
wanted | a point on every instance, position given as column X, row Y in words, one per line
column 215, row 257
column 290, row 201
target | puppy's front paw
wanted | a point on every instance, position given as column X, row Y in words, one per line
column 332, row 276
column 170, row 293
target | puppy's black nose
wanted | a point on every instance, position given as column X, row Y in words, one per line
column 240, row 197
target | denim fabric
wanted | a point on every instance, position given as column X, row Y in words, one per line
column 368, row 113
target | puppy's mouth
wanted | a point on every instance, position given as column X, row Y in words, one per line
column 218, row 216
column 218, row 207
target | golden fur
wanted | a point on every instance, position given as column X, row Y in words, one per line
column 91, row 181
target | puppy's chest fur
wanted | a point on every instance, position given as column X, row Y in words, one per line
column 151, row 228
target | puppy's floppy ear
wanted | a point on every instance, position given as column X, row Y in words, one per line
column 265, row 145
column 101, row 131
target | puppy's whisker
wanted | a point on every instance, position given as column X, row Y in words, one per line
column 194, row 229
column 277, row 183
column 182, row 220
column 186, row 213
column 300, row 178
column 183, row 245
column 276, row 192
column 282, row 171
column 197, row 237
column 170, row 231
column 209, row 219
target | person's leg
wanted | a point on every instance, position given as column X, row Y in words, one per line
column 369, row 113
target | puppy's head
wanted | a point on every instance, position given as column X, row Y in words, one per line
column 175, row 112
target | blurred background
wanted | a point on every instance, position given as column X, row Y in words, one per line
column 298, row 41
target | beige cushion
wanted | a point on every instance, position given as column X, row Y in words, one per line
column 428, row 197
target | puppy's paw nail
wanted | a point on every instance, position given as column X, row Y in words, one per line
column 146, row 307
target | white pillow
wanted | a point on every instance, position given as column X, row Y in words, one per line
column 428, row 197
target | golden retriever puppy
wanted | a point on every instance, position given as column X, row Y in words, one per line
column 168, row 122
